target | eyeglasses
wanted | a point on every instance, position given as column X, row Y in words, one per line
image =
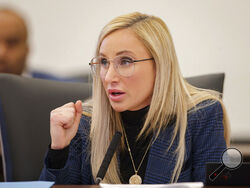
column 124, row 65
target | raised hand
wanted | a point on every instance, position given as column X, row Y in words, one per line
column 64, row 122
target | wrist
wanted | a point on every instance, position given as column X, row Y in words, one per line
column 59, row 146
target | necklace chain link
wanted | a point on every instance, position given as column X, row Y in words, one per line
column 130, row 152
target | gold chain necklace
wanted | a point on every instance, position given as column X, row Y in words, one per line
column 135, row 179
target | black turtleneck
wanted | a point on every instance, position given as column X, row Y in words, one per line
column 133, row 122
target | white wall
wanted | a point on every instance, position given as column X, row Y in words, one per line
column 210, row 36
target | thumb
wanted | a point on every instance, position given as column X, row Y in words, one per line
column 78, row 107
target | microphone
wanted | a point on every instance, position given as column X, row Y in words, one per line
column 108, row 156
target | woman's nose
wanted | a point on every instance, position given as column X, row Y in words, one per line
column 111, row 74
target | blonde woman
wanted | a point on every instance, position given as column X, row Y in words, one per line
column 170, row 129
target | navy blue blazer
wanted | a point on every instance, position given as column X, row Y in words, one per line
column 204, row 141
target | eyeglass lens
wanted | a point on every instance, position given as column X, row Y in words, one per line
column 124, row 65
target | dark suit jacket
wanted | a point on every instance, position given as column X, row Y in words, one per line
column 204, row 141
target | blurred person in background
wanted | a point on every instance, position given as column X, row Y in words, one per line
column 13, row 42
column 14, row 47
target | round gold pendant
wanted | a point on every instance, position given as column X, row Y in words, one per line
column 135, row 179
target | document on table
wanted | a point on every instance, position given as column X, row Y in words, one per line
column 173, row 185
column 27, row 184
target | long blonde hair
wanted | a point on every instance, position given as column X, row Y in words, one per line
column 172, row 95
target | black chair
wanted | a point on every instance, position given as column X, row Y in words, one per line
column 25, row 105
column 208, row 81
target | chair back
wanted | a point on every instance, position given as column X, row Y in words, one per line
column 208, row 81
column 25, row 105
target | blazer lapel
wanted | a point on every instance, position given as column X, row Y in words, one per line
column 161, row 161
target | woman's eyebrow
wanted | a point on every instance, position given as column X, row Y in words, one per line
column 125, row 52
column 102, row 54
column 119, row 53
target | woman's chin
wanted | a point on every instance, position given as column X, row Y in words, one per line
column 118, row 107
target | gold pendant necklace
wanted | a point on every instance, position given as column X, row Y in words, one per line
column 135, row 179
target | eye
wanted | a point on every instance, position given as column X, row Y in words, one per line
column 126, row 61
column 104, row 62
column 12, row 42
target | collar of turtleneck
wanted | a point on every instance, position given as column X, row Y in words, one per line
column 134, row 118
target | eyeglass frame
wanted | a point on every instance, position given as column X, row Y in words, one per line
column 116, row 66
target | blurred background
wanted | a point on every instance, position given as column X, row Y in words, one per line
column 210, row 36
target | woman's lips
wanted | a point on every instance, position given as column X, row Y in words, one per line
column 116, row 95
